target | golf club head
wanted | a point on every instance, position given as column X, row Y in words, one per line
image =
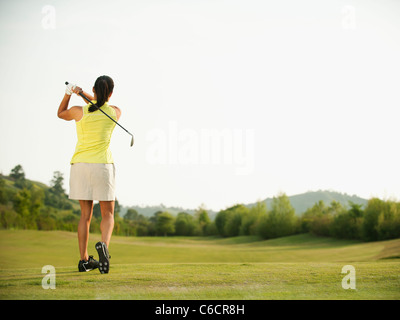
column 131, row 140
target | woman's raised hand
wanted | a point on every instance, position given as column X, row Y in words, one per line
column 77, row 90
column 69, row 89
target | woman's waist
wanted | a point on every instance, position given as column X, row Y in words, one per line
column 97, row 154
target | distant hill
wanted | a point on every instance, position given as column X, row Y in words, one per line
column 40, row 191
column 300, row 203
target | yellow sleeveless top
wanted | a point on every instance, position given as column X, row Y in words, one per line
column 94, row 132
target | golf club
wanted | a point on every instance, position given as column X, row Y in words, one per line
column 88, row 100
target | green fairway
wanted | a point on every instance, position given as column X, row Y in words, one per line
column 295, row 267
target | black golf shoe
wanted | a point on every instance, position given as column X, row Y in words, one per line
column 104, row 257
column 89, row 265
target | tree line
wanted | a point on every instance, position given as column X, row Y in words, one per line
column 27, row 205
column 379, row 220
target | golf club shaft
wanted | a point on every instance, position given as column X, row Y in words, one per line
column 87, row 99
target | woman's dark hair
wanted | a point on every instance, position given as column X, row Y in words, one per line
column 103, row 87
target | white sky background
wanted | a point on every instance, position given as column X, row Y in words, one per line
column 306, row 93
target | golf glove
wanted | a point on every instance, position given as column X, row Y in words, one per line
column 69, row 88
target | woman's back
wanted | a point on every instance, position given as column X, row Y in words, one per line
column 94, row 133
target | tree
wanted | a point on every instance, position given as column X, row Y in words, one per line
column 229, row 222
column 381, row 220
column 55, row 196
column 280, row 221
column 203, row 219
column 18, row 174
column 131, row 214
column 318, row 218
column 165, row 223
column 3, row 192
column 56, row 184
column 233, row 223
column 22, row 202
column 372, row 212
column 37, row 201
column 220, row 221
column 389, row 221
column 143, row 226
column 348, row 224
column 234, row 220
column 184, row 224
column 26, row 211
column 130, row 222
column 252, row 218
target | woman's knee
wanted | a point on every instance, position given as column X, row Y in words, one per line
column 86, row 218
column 107, row 209
column 107, row 215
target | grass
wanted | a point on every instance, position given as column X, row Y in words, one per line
column 295, row 267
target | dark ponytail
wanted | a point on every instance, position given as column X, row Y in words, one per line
column 103, row 87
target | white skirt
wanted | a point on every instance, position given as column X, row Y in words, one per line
column 92, row 181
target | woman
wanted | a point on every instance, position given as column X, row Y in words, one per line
column 92, row 167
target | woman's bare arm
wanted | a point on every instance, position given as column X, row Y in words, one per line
column 117, row 111
column 73, row 113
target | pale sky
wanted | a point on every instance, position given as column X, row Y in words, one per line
column 229, row 101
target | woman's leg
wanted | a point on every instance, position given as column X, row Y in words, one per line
column 83, row 227
column 107, row 220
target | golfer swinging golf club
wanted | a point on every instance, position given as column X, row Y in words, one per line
column 92, row 174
